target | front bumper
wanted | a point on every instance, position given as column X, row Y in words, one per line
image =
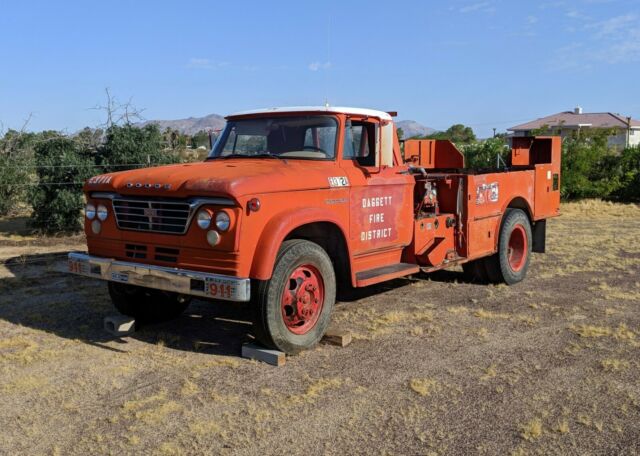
column 181, row 281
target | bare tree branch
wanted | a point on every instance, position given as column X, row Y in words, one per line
column 118, row 113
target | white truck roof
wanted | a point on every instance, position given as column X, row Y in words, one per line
column 329, row 109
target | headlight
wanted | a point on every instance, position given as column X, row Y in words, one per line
column 102, row 212
column 90, row 211
column 204, row 219
column 223, row 221
column 213, row 237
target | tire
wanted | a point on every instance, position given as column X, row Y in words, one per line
column 302, row 270
column 511, row 263
column 145, row 304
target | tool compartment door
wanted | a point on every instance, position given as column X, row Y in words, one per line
column 547, row 192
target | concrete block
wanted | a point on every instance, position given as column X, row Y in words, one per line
column 338, row 337
column 254, row 351
column 119, row 325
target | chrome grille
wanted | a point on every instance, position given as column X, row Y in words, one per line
column 158, row 216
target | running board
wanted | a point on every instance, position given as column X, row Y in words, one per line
column 393, row 271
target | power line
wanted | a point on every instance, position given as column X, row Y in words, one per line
column 123, row 165
column 40, row 184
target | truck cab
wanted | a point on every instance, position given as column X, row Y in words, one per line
column 293, row 204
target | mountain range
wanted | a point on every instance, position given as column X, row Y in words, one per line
column 193, row 125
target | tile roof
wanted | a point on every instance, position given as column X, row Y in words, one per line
column 570, row 119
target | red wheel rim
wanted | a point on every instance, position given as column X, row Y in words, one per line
column 302, row 299
column 517, row 249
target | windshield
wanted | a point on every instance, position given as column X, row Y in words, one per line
column 305, row 137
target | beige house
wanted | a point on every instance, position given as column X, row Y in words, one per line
column 565, row 123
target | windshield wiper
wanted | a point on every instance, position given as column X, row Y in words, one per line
column 259, row 155
column 270, row 155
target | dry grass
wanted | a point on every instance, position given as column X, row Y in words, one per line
column 614, row 365
column 439, row 366
column 562, row 427
column 531, row 430
column 622, row 332
column 423, row 386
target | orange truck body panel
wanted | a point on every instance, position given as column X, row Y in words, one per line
column 374, row 209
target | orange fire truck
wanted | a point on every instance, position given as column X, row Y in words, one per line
column 295, row 204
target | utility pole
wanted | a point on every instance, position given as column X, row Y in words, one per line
column 628, row 131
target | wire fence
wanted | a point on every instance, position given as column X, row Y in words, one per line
column 37, row 184
column 121, row 165
column 40, row 184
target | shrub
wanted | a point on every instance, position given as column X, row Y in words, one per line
column 629, row 175
column 484, row 154
column 16, row 158
column 588, row 166
column 13, row 180
column 129, row 145
column 62, row 167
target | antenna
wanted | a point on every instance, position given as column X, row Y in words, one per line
column 328, row 64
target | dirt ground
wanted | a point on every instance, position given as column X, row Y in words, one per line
column 438, row 366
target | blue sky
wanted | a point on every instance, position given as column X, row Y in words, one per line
column 484, row 63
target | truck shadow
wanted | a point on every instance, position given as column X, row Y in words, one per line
column 37, row 292
column 448, row 276
column 445, row 276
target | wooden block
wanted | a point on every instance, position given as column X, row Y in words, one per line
column 338, row 337
column 266, row 355
column 119, row 325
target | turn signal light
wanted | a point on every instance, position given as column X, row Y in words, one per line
column 254, row 205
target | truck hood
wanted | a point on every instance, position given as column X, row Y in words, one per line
column 221, row 177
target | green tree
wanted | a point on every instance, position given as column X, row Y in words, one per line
column 400, row 132
column 629, row 175
column 457, row 133
column 16, row 168
column 589, row 166
column 62, row 167
column 127, row 146
column 484, row 154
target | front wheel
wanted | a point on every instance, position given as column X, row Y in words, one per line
column 292, row 310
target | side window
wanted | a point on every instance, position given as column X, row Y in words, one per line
column 363, row 143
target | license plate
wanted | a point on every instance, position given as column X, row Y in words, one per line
column 222, row 289
column 120, row 277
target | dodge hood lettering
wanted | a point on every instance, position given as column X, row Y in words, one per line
column 233, row 177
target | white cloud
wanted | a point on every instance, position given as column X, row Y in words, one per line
column 577, row 15
column 199, row 63
column 316, row 66
column 615, row 26
column 609, row 41
column 480, row 6
column 484, row 7
column 205, row 64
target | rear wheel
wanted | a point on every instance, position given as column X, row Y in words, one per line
column 511, row 262
column 146, row 304
column 292, row 310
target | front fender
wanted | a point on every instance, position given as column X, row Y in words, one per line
column 277, row 229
